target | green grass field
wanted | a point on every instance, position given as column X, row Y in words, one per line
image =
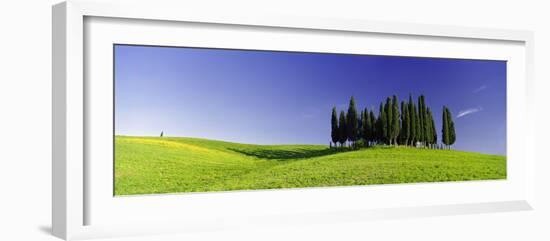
column 148, row 165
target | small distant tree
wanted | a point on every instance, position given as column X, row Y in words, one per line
column 161, row 133
column 334, row 126
column 342, row 129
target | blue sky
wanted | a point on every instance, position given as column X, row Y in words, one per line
column 268, row 97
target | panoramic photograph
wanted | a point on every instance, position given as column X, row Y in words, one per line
column 192, row 119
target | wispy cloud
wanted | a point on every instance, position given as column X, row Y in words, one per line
column 469, row 111
column 479, row 89
column 309, row 115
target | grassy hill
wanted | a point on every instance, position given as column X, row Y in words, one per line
column 147, row 165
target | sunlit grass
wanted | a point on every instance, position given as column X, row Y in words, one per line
column 147, row 165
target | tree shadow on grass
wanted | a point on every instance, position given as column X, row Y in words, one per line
column 274, row 154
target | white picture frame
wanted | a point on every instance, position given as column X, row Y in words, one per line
column 77, row 195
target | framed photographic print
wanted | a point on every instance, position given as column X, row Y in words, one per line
column 180, row 121
column 257, row 119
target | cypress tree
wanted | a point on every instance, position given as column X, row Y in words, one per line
column 342, row 129
column 445, row 138
column 383, row 123
column 373, row 128
column 396, row 125
column 364, row 129
column 420, row 136
column 417, row 124
column 352, row 121
column 334, row 126
column 412, row 116
column 426, row 126
column 389, row 120
column 422, row 119
column 360, row 126
column 429, row 122
column 378, row 126
column 433, row 130
column 405, row 123
column 401, row 136
column 452, row 133
column 367, row 126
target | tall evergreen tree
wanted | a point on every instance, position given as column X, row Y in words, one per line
column 445, row 135
column 452, row 133
column 405, row 123
column 433, row 130
column 389, row 120
column 373, row 128
column 426, row 126
column 352, row 123
column 379, row 127
column 412, row 116
column 422, row 117
column 400, row 138
column 367, row 126
column 360, row 125
column 383, row 123
column 334, row 126
column 342, row 129
column 429, row 122
column 420, row 134
column 417, row 128
column 396, row 125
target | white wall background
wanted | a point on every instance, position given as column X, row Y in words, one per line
column 25, row 120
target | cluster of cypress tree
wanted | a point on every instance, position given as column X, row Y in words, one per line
column 408, row 123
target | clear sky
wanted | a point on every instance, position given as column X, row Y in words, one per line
column 267, row 97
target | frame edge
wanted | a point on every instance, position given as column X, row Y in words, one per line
column 59, row 118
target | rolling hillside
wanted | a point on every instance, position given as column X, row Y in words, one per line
column 147, row 165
